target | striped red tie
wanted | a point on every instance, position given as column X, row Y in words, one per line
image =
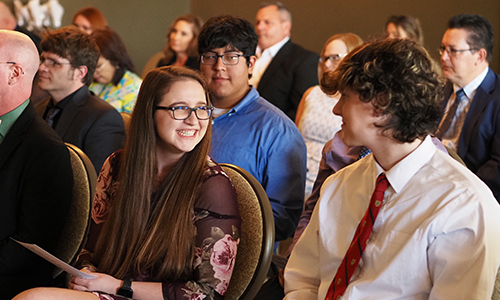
column 358, row 244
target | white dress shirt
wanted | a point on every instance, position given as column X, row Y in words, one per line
column 451, row 136
column 435, row 237
column 264, row 58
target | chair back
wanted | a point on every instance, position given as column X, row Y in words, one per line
column 496, row 289
column 77, row 224
column 255, row 249
column 454, row 155
column 127, row 118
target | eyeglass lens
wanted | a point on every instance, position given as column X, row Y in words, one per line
column 227, row 59
column 184, row 112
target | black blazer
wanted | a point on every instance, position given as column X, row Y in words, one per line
column 479, row 142
column 36, row 185
column 291, row 72
column 91, row 124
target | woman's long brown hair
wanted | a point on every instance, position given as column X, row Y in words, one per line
column 149, row 232
column 196, row 24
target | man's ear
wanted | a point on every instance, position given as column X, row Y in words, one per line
column 287, row 27
column 482, row 54
column 16, row 72
column 251, row 63
column 81, row 72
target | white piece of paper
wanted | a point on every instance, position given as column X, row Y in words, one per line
column 55, row 261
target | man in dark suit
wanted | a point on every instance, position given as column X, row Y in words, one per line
column 68, row 61
column 36, row 180
column 471, row 124
column 283, row 70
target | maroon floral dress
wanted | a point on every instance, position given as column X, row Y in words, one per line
column 217, row 220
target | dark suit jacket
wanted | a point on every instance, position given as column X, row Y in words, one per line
column 91, row 124
column 291, row 72
column 36, row 185
column 479, row 142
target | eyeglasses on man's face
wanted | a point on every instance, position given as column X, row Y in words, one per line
column 334, row 58
column 50, row 63
column 7, row 63
column 453, row 52
column 227, row 59
column 184, row 112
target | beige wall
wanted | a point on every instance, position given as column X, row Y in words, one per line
column 316, row 20
column 143, row 24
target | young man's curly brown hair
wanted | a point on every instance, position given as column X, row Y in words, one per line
column 397, row 77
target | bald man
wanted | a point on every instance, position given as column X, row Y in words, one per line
column 35, row 172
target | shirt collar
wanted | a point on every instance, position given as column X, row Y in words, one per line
column 251, row 96
column 404, row 170
column 274, row 48
column 7, row 120
column 472, row 86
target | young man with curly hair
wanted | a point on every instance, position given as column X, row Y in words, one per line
column 429, row 230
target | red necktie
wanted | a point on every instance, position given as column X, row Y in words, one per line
column 358, row 244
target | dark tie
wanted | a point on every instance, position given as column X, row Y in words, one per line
column 364, row 152
column 358, row 244
column 449, row 116
column 51, row 115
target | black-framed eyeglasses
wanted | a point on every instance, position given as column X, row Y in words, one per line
column 453, row 52
column 334, row 58
column 184, row 112
column 227, row 59
column 50, row 63
column 8, row 62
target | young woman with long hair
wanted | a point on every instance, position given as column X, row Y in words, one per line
column 181, row 47
column 165, row 214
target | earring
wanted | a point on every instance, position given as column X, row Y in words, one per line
column 10, row 82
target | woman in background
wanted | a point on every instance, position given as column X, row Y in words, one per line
column 165, row 213
column 114, row 77
column 181, row 48
column 89, row 19
column 404, row 27
column 314, row 118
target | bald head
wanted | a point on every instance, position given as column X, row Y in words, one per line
column 7, row 19
column 20, row 64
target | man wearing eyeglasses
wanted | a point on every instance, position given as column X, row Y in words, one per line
column 68, row 62
column 471, row 121
column 36, row 181
column 283, row 70
column 248, row 131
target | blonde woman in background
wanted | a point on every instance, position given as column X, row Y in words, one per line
column 315, row 119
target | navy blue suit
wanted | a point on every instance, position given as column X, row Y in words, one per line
column 291, row 72
column 479, row 142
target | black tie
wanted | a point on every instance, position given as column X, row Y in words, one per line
column 449, row 116
column 51, row 115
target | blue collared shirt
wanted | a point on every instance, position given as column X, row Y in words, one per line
column 260, row 138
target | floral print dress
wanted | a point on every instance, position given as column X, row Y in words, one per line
column 217, row 221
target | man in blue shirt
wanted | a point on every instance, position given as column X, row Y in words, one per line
column 248, row 131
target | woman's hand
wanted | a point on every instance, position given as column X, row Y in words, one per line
column 103, row 283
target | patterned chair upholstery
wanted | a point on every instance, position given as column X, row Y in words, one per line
column 496, row 289
column 78, row 220
column 257, row 235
